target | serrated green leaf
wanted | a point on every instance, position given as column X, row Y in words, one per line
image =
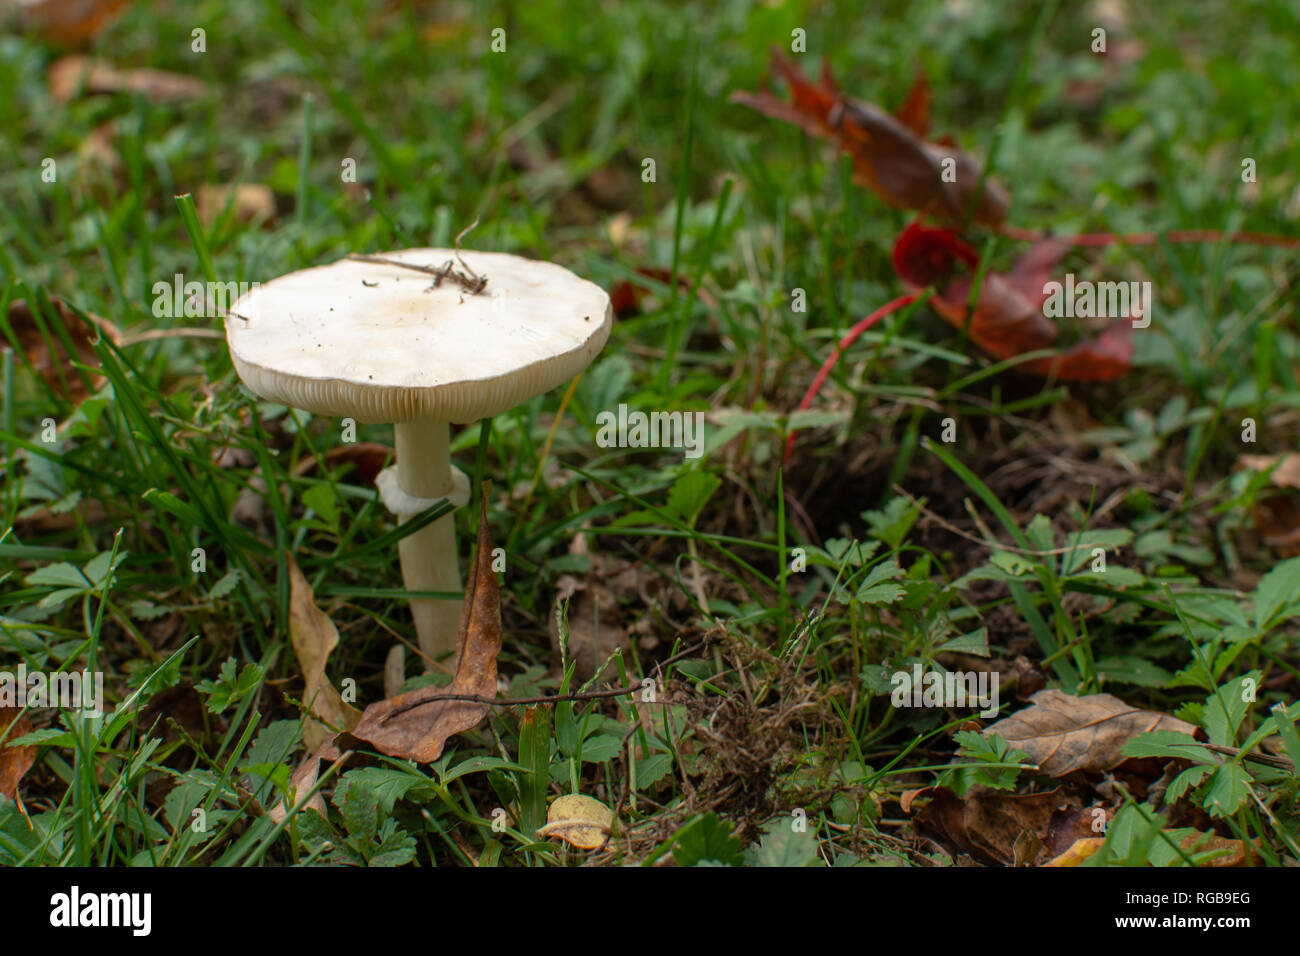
column 707, row 839
column 783, row 846
column 1277, row 594
column 1227, row 790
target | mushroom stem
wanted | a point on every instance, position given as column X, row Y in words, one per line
column 428, row 556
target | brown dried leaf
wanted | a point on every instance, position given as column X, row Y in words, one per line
column 1073, row 824
column 56, row 368
column 1287, row 474
column 1062, row 733
column 991, row 825
column 300, row 781
column 14, row 761
column 367, row 459
column 314, row 638
column 420, row 732
column 1232, row 853
column 1278, row 520
column 249, row 203
column 65, row 22
column 71, row 76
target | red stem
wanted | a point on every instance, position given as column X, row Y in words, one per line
column 849, row 338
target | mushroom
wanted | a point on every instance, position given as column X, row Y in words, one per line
column 373, row 339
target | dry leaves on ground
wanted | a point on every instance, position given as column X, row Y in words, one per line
column 14, row 761
column 993, row 826
column 72, row 76
column 73, row 23
column 45, row 350
column 1287, row 474
column 301, row 781
column 1276, row 516
column 416, row 725
column 314, row 638
column 367, row 459
column 1063, row 734
column 248, row 203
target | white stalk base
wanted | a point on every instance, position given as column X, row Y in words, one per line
column 424, row 475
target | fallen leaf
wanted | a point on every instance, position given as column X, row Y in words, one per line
column 300, row 781
column 1063, row 734
column 1008, row 319
column 314, row 637
column 14, row 761
column 1287, row 474
column 73, row 23
column 1079, row 851
column 71, row 76
column 890, row 154
column 409, row 728
column 248, row 202
column 1275, row 516
column 56, row 367
column 909, row 797
column 1232, row 853
column 991, row 825
column 367, row 459
column 1278, row 520
column 579, row 821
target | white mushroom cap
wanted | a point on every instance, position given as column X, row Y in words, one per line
column 377, row 343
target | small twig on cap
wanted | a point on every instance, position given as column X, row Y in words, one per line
column 472, row 283
column 459, row 236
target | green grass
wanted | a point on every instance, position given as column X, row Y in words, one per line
column 545, row 144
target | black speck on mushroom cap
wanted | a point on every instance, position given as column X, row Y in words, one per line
column 404, row 352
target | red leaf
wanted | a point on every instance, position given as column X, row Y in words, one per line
column 890, row 154
column 915, row 111
column 1008, row 318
